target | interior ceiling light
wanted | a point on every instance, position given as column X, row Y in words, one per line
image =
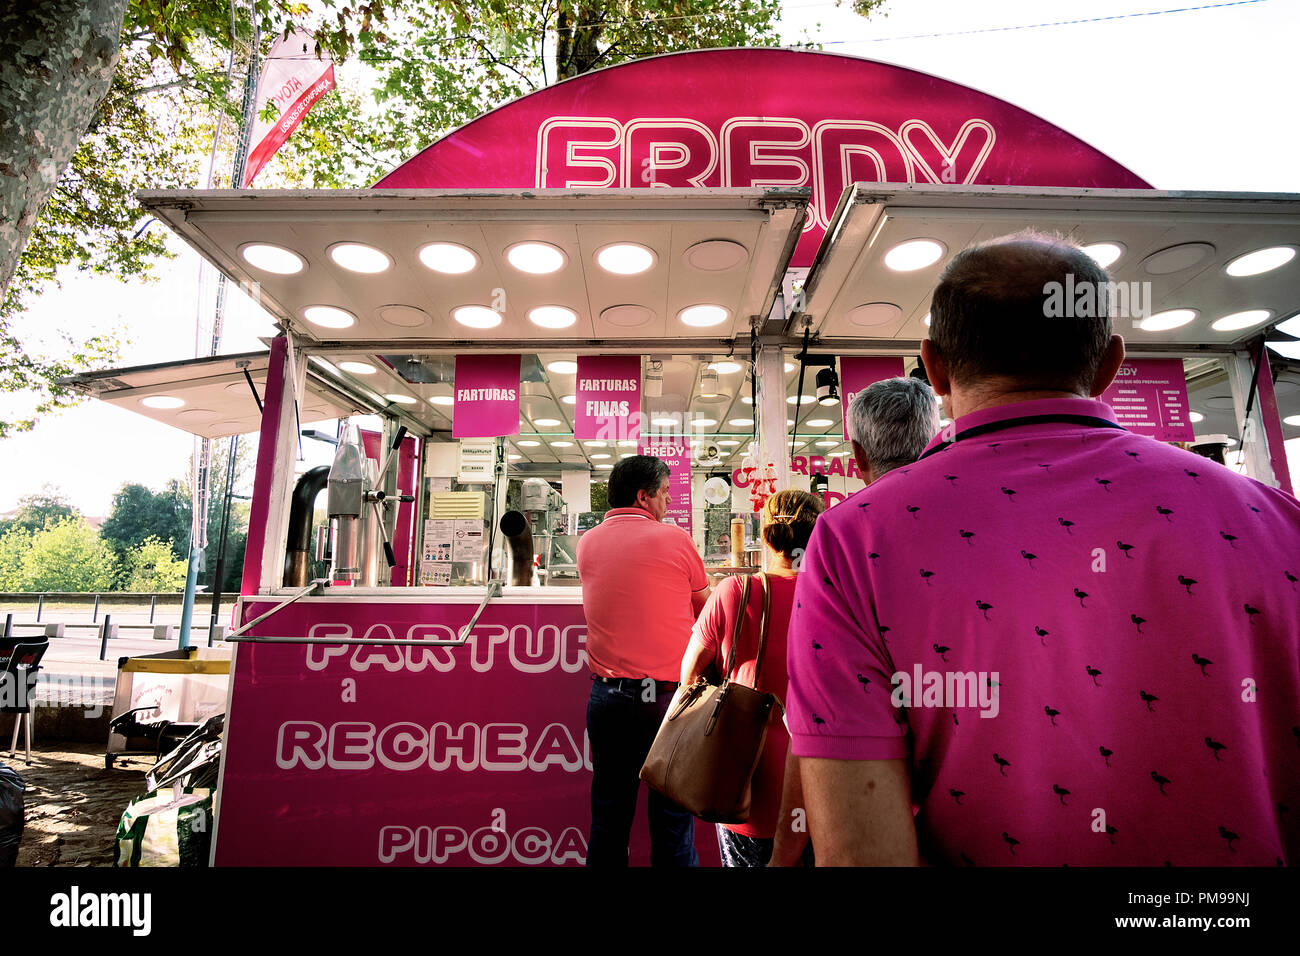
column 513, row 457
column 1177, row 258
column 874, row 314
column 403, row 316
column 1169, row 319
column 839, row 454
column 625, row 258
column 1293, row 420
column 819, row 422
column 599, row 455
column 449, row 258
column 1104, row 253
column 528, row 443
column 357, row 368
column 269, row 258
column 561, row 444
column 627, row 316
column 162, row 401
column 626, row 454
column 725, row 368
column 703, row 316
column 709, row 383
column 801, row 399
column 747, row 399
column 927, row 320
column 329, row 317
column 594, row 443
column 715, row 255
column 477, row 316
column 552, row 317
column 358, row 257
column 1241, row 320
column 604, row 466
column 728, row 441
column 442, row 400
column 401, row 399
column 536, row 258
column 1262, row 260
column 914, row 254
column 826, row 443
column 1195, row 417
column 790, row 367
column 569, row 399
column 828, row 387
column 740, row 422
column 664, row 422
column 547, row 422
column 563, row 367
column 705, row 422
column 789, row 422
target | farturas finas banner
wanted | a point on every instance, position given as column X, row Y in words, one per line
column 292, row 80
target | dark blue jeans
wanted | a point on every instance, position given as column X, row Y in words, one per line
column 621, row 725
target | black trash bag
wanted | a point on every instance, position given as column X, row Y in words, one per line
column 11, row 815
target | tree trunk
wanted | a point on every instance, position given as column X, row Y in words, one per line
column 56, row 63
column 577, row 49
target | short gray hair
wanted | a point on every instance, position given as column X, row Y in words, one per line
column 893, row 420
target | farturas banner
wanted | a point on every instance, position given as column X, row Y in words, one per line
column 487, row 396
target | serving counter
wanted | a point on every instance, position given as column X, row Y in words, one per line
column 418, row 753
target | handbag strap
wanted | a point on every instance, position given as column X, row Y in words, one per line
column 729, row 670
column 740, row 626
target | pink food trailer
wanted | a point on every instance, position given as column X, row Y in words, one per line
column 407, row 687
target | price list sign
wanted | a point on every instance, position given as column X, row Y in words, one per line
column 1149, row 397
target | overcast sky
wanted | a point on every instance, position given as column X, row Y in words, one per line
column 1202, row 99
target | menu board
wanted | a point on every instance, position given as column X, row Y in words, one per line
column 1149, row 397
column 676, row 454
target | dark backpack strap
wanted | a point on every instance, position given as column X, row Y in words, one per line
column 762, row 633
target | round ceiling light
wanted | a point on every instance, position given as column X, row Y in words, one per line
column 1293, row 420
column 269, row 258
column 728, row 441
column 790, row 367
column 536, row 258
column 1241, row 320
column 800, row 399
column 477, row 316
column 603, row 465
column 403, row 316
column 1261, row 260
column 601, row 455
column 449, row 258
column 563, row 367
column 1104, row 253
column 740, row 422
column 914, row 254
column 1169, row 319
column 162, row 402
column 329, row 317
column 547, row 422
column 442, row 400
column 357, row 368
column 594, row 443
column 704, row 422
column 747, row 399
column 725, row 368
column 513, row 457
column 359, row 257
column 826, row 443
column 715, row 255
column 927, row 320
column 528, row 443
column 1177, row 258
column 627, row 443
column 569, row 399
column 561, row 444
column 664, row 422
column 552, row 317
column 627, row 316
column 874, row 314
column 400, row 399
column 1195, row 417
column 625, row 258
column 703, row 316
column 819, row 422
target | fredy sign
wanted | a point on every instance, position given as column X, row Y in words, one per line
column 740, row 118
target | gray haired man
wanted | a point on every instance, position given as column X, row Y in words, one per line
column 890, row 423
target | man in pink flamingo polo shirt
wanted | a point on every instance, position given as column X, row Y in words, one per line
column 1049, row 641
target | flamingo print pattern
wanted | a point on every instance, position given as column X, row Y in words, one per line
column 996, row 573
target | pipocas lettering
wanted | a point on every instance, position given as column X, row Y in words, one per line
column 528, row 652
column 528, row 845
column 407, row 746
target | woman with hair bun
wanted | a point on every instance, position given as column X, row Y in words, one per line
column 787, row 523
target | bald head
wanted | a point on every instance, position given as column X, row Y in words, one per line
column 1013, row 309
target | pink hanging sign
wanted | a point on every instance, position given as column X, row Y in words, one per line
column 856, row 373
column 1149, row 397
column 676, row 453
column 487, row 396
column 608, row 397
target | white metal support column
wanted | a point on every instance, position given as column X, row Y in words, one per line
column 1254, row 442
column 773, row 444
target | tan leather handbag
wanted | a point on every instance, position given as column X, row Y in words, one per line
column 709, row 744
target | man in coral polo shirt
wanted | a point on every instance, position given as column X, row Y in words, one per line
column 643, row 585
column 1049, row 641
